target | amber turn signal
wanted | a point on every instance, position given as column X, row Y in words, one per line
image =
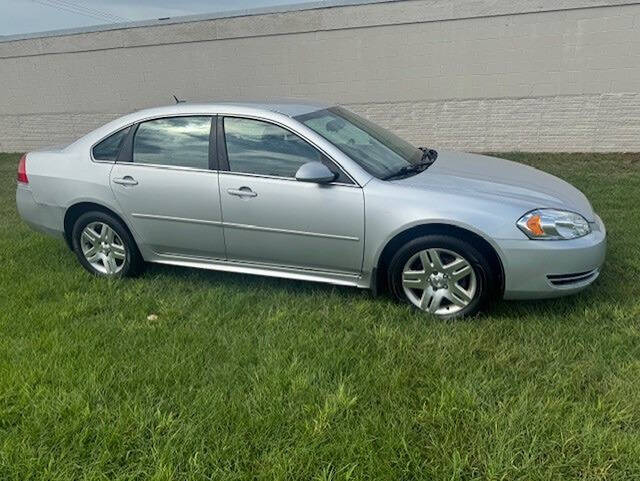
column 535, row 226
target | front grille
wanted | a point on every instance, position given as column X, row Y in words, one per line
column 567, row 280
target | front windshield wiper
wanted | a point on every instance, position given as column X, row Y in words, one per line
column 429, row 154
column 409, row 169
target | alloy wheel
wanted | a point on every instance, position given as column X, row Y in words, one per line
column 103, row 248
column 439, row 281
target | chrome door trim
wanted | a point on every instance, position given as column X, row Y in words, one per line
column 177, row 219
column 290, row 179
column 166, row 167
column 288, row 231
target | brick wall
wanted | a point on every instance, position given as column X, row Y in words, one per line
column 573, row 123
column 558, row 75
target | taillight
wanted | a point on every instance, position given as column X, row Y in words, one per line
column 22, row 170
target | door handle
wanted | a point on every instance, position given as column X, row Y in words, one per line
column 242, row 192
column 126, row 180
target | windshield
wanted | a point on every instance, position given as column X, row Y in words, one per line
column 379, row 151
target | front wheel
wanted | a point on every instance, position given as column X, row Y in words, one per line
column 441, row 275
column 104, row 246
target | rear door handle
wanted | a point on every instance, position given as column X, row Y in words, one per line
column 126, row 180
column 242, row 192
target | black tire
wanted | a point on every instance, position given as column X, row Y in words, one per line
column 485, row 279
column 131, row 264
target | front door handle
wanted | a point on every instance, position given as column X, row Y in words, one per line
column 242, row 192
column 126, row 180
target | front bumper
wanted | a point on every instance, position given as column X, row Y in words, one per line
column 536, row 269
column 42, row 217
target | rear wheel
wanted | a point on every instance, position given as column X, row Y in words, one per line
column 441, row 275
column 104, row 246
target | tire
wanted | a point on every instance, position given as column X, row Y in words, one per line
column 457, row 282
column 104, row 246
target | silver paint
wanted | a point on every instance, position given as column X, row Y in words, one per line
column 328, row 233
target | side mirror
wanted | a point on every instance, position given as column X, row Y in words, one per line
column 315, row 172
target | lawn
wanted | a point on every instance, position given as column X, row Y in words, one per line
column 244, row 377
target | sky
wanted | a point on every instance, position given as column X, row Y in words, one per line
column 29, row 16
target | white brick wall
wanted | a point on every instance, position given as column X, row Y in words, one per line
column 19, row 133
column 477, row 75
column 576, row 123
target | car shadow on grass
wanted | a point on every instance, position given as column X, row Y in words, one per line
column 594, row 297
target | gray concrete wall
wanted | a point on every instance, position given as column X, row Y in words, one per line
column 548, row 75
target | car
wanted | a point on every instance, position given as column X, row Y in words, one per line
column 313, row 192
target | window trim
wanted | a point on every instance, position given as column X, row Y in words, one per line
column 126, row 149
column 220, row 154
column 124, row 141
column 223, row 159
column 213, row 143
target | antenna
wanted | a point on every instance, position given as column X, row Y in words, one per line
column 178, row 101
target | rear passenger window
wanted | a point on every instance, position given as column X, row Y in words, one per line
column 176, row 141
column 108, row 149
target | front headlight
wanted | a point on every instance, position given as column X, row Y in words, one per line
column 553, row 224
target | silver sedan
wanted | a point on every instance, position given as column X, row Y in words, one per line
column 311, row 192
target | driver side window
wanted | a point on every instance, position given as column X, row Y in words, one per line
column 262, row 148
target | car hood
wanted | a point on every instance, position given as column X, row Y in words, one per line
column 480, row 175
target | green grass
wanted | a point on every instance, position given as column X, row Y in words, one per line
column 252, row 378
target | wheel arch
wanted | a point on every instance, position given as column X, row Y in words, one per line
column 74, row 211
column 480, row 242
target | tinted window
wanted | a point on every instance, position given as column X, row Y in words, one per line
column 257, row 147
column 179, row 141
column 379, row 151
column 108, row 149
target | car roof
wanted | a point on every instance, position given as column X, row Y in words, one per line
column 290, row 108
